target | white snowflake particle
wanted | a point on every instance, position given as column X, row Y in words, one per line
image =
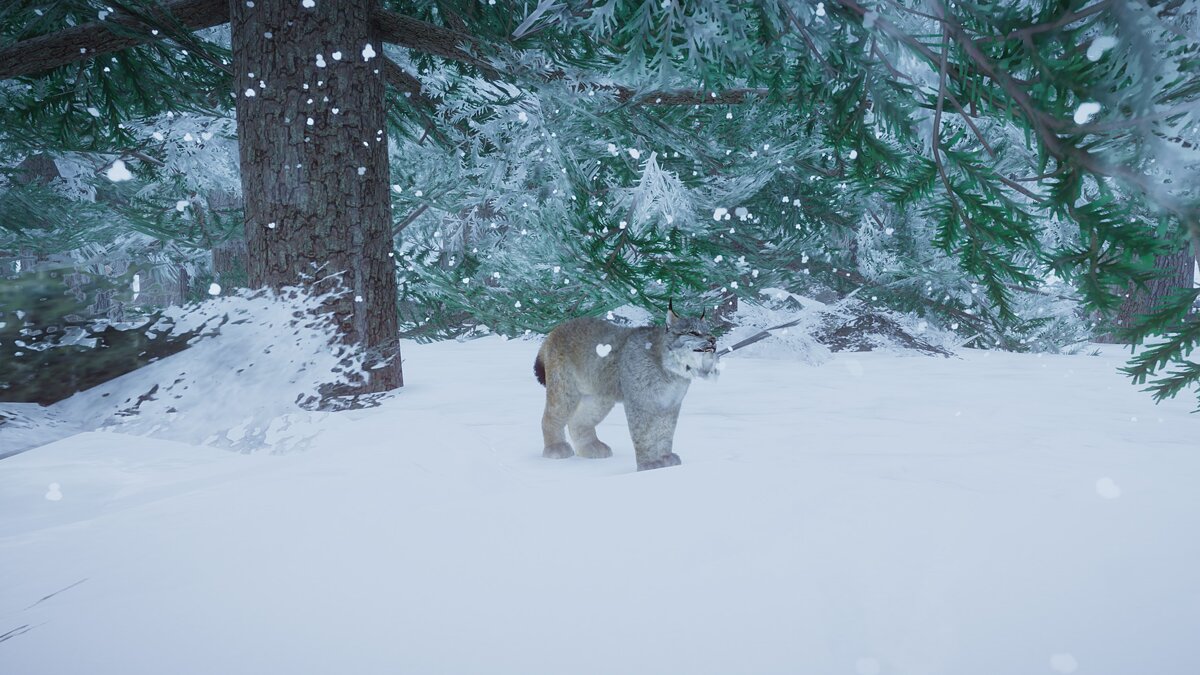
column 368, row 52
column 118, row 172
column 181, row 205
column 214, row 289
column 54, row 493
column 1099, row 46
column 634, row 153
column 1086, row 111
column 320, row 61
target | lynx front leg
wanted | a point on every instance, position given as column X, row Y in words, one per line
column 653, row 432
column 561, row 402
column 591, row 411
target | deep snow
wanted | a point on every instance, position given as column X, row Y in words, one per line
column 877, row 513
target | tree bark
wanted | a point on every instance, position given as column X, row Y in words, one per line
column 1176, row 272
column 313, row 146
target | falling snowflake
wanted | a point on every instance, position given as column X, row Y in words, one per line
column 1099, row 46
column 1086, row 111
column 214, row 289
column 368, row 52
column 118, row 172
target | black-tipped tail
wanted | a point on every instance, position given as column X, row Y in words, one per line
column 539, row 370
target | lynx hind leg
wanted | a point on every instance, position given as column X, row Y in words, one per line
column 591, row 410
column 653, row 433
column 561, row 401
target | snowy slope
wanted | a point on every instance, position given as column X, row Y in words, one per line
column 879, row 513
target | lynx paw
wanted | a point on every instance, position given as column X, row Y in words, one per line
column 595, row 450
column 558, row 451
column 669, row 459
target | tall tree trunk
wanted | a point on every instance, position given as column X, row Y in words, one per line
column 1176, row 272
column 313, row 148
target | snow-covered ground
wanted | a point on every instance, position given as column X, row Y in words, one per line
column 878, row 513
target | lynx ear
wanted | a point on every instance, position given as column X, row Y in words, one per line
column 672, row 317
column 702, row 314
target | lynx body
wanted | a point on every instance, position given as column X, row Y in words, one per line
column 588, row 365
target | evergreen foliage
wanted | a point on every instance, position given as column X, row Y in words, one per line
column 1002, row 169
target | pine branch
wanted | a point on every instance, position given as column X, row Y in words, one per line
column 119, row 31
column 1050, row 26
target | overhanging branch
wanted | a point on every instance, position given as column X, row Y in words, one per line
column 122, row 30
column 119, row 31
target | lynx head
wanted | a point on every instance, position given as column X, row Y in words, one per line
column 689, row 349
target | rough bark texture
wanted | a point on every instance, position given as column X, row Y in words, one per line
column 313, row 146
column 118, row 31
column 1177, row 270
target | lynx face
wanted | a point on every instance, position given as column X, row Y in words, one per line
column 690, row 348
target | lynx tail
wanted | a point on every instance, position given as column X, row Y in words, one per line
column 539, row 370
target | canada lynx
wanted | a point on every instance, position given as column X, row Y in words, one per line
column 588, row 365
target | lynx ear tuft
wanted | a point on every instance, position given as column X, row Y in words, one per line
column 702, row 314
column 672, row 317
